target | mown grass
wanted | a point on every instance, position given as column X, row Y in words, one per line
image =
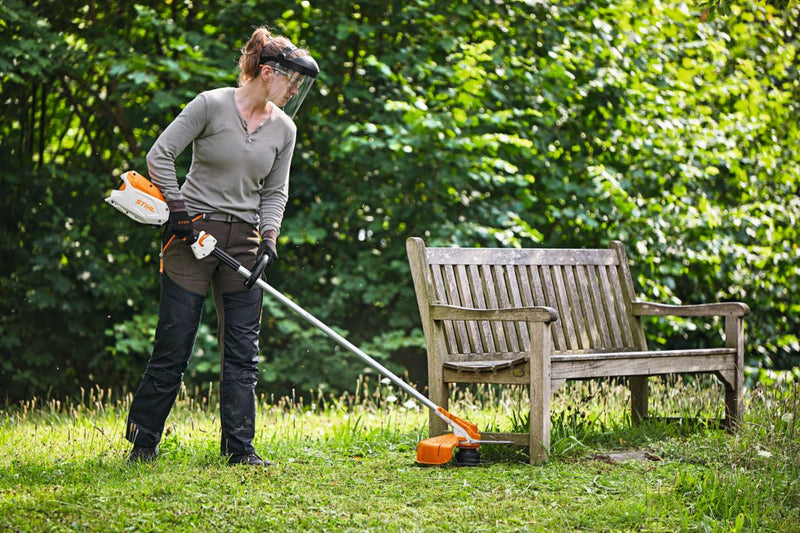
column 347, row 463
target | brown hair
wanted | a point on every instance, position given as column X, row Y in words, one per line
column 262, row 42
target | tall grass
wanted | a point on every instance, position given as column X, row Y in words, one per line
column 347, row 462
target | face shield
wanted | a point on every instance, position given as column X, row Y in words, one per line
column 301, row 72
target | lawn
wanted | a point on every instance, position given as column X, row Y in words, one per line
column 347, row 463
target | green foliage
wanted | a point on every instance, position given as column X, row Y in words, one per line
column 712, row 8
column 703, row 176
column 465, row 122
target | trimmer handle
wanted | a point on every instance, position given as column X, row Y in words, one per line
column 258, row 269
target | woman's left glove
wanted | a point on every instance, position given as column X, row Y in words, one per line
column 266, row 255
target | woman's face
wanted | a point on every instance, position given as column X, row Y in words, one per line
column 283, row 86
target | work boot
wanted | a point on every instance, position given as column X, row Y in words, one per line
column 142, row 454
column 251, row 459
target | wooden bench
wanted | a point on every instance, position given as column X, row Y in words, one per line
column 539, row 317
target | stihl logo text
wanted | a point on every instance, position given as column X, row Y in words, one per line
column 146, row 205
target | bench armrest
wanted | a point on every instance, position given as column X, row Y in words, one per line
column 529, row 314
column 704, row 310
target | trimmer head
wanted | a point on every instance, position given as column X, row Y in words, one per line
column 439, row 450
column 468, row 457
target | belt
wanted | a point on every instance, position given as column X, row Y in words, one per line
column 221, row 217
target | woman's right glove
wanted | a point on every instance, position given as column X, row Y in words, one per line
column 267, row 254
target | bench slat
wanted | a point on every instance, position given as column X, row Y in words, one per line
column 622, row 312
column 643, row 366
column 505, row 302
column 567, row 309
column 559, row 342
column 599, row 307
column 588, row 308
column 476, row 283
column 486, row 366
column 526, row 299
column 515, row 300
column 578, row 309
column 637, row 354
column 473, row 338
column 442, row 296
column 453, row 296
column 628, row 361
column 610, row 308
column 498, row 328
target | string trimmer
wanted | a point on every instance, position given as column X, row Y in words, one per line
column 143, row 202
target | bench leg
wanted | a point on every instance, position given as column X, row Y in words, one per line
column 540, row 392
column 438, row 394
column 639, row 398
column 734, row 388
column 733, row 408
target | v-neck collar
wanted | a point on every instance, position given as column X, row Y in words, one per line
column 242, row 120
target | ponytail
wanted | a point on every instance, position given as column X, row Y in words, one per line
column 261, row 41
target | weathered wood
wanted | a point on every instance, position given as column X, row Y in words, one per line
column 599, row 307
column 707, row 310
column 565, row 309
column 580, row 319
column 651, row 354
column 638, row 384
column 516, row 256
column 734, row 339
column 539, row 317
column 559, row 340
column 485, row 366
column 644, row 366
column 452, row 312
column 519, row 439
column 519, row 374
column 539, row 391
column 426, row 288
column 436, row 294
column 498, row 328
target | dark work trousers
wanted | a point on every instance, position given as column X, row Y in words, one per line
column 184, row 284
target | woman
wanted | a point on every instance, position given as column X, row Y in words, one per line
column 236, row 189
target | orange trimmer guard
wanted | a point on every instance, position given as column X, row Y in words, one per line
column 436, row 450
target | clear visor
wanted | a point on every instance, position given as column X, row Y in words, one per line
column 298, row 87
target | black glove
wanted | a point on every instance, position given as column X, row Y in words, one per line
column 266, row 255
column 267, row 248
column 180, row 224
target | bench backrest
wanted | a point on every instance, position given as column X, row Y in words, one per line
column 591, row 289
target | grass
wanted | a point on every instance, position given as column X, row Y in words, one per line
column 347, row 463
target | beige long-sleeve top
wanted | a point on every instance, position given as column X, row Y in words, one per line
column 232, row 171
